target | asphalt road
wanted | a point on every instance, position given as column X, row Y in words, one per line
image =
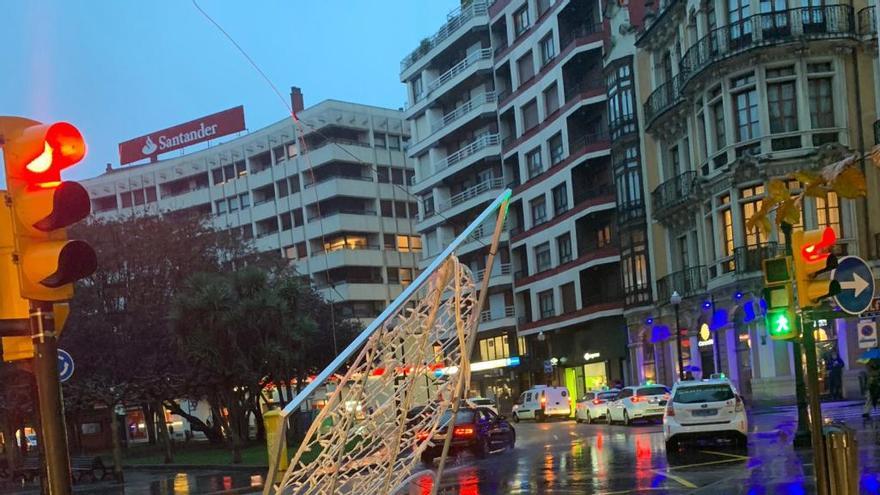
column 569, row 458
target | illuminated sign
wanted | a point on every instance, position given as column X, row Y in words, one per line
column 705, row 336
column 481, row 366
column 591, row 355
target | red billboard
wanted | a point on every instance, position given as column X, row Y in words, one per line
column 173, row 138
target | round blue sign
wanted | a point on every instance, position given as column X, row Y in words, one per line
column 856, row 284
column 65, row 365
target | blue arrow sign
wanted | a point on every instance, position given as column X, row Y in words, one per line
column 856, row 284
column 65, row 365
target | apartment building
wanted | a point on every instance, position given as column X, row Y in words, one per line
column 730, row 95
column 455, row 151
column 333, row 199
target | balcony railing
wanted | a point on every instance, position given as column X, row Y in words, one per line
column 486, row 316
column 688, row 282
column 664, row 97
column 748, row 259
column 580, row 31
column 590, row 138
column 623, row 125
column 461, row 66
column 783, row 26
column 329, row 214
column 473, row 192
column 505, row 270
column 464, row 109
column 364, row 178
column 338, row 140
column 591, row 81
column 455, row 19
column 628, row 211
column 676, row 191
column 637, row 294
column 868, row 21
column 350, row 247
column 478, row 144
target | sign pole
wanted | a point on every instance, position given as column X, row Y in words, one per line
column 820, row 465
column 802, row 434
column 56, row 457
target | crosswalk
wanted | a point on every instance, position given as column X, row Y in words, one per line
column 849, row 413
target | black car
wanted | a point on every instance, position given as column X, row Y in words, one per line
column 478, row 430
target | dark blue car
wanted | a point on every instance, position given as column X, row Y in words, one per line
column 478, row 430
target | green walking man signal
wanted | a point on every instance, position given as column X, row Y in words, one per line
column 779, row 296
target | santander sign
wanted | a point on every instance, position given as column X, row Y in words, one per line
column 173, row 138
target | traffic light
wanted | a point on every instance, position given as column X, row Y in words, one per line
column 778, row 296
column 812, row 257
column 43, row 207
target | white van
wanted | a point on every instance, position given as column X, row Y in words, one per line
column 542, row 402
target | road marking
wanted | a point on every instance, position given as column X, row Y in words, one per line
column 699, row 464
column 555, row 437
column 679, row 479
column 725, row 454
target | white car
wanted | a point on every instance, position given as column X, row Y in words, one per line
column 709, row 409
column 542, row 402
column 638, row 402
column 478, row 402
column 593, row 405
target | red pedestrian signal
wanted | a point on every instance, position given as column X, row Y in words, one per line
column 813, row 257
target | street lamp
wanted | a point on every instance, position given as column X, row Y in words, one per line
column 676, row 300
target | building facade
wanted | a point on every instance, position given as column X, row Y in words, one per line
column 730, row 95
column 333, row 198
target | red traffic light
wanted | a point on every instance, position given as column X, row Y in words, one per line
column 820, row 250
column 43, row 151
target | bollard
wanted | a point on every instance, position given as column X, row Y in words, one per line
column 272, row 420
column 842, row 459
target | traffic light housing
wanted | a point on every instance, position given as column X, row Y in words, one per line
column 812, row 257
column 43, row 206
column 779, row 298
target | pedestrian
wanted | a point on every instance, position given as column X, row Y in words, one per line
column 873, row 395
column 835, row 366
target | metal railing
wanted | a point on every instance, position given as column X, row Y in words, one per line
column 664, row 97
column 628, row 211
column 580, row 31
column 688, row 282
column 352, row 247
column 637, row 294
column 363, row 178
column 472, row 192
column 588, row 193
column 590, row 81
column 674, row 192
column 509, row 312
column 477, row 145
column 590, row 138
column 343, row 212
column 504, row 270
column 339, row 140
column 455, row 19
column 621, row 126
column 748, row 259
column 461, row 111
column 868, row 21
column 458, row 68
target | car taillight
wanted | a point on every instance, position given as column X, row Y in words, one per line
column 543, row 401
column 740, row 406
column 670, row 411
column 636, row 398
column 598, row 401
column 422, row 436
column 463, row 431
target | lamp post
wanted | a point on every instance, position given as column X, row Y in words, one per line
column 543, row 338
column 676, row 300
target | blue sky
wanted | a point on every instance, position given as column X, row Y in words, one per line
column 119, row 69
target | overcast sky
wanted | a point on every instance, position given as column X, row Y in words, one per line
column 118, row 69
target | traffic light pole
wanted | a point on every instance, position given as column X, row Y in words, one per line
column 820, row 465
column 56, row 457
column 802, row 434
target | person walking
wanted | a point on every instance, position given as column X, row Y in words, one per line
column 835, row 367
column 873, row 395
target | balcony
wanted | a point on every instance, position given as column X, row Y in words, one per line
column 589, row 139
column 783, row 26
column 460, row 67
column 464, row 109
column 581, row 31
column 486, row 316
column 590, row 82
column 477, row 145
column 663, row 98
column 503, row 269
column 688, row 282
column 637, row 295
column 660, row 13
column 670, row 196
column 749, row 259
column 455, row 19
column 868, row 22
column 472, row 192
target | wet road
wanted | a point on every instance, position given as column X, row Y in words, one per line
column 570, row 458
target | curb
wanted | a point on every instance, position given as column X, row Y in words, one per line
column 196, row 467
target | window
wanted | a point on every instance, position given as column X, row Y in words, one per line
column 560, row 199
column 417, row 88
column 563, row 245
column 745, row 108
column 408, row 244
column 782, row 99
column 245, row 200
column 397, row 176
column 379, row 140
column 526, row 68
column 544, row 6
column 533, row 160
column 521, row 20
column 428, row 205
column 751, row 203
column 386, row 208
column 405, row 276
column 548, row 49
column 821, row 102
column 569, row 299
column 492, row 348
column 629, row 177
column 233, row 203
column 382, row 175
column 556, row 150
column 603, row 236
column 620, row 101
column 726, row 223
column 738, row 12
column 542, row 257
column 633, row 249
column 718, row 124
column 521, row 344
column 828, row 213
column 545, row 302
column 530, row 115
column 551, row 99
column 673, row 168
column 286, row 222
column 240, row 168
column 393, row 142
column 221, row 206
column 539, row 211
column 283, row 188
column 217, row 174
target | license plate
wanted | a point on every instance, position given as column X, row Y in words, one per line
column 705, row 412
column 658, row 411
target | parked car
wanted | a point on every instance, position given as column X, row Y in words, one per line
column 483, row 402
column 593, row 405
column 638, row 402
column 477, row 430
column 542, row 402
column 708, row 409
